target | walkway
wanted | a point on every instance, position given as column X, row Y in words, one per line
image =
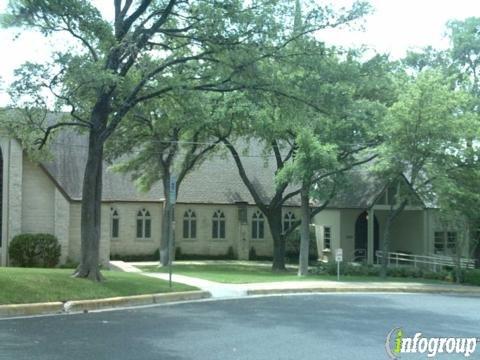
column 218, row 290
column 223, row 291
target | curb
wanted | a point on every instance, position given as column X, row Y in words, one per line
column 31, row 309
column 474, row 292
column 98, row 304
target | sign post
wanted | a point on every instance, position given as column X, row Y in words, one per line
column 338, row 259
column 172, row 194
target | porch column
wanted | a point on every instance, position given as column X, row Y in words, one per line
column 370, row 243
column 426, row 233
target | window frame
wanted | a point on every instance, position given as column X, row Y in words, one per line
column 218, row 225
column 190, row 220
column 325, row 228
column 447, row 241
column 288, row 221
column 114, row 217
column 258, row 226
column 143, row 218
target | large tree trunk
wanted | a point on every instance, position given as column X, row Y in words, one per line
column 275, row 224
column 91, row 212
column 166, row 223
column 304, row 234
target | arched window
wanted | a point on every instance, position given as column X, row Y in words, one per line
column 115, row 223
column 258, row 225
column 189, row 225
column 288, row 220
column 144, row 224
column 218, row 225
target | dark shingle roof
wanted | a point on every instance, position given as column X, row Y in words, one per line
column 68, row 166
column 360, row 191
column 216, row 181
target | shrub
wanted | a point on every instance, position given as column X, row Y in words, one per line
column 230, row 255
column 69, row 264
column 252, row 254
column 155, row 256
column 472, row 277
column 405, row 272
column 440, row 275
column 292, row 245
column 34, row 250
column 178, row 253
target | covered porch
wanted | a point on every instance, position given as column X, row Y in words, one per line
column 410, row 232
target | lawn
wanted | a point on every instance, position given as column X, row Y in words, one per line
column 245, row 274
column 24, row 285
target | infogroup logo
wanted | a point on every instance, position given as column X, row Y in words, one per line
column 397, row 344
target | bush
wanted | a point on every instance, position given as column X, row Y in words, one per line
column 405, row 272
column 69, row 264
column 230, row 255
column 155, row 256
column 252, row 254
column 292, row 245
column 35, row 250
column 472, row 277
column 178, row 253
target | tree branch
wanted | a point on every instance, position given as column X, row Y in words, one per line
column 42, row 141
column 244, row 176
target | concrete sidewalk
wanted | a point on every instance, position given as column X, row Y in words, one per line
column 217, row 290
column 221, row 290
column 211, row 262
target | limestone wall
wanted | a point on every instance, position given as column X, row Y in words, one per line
column 38, row 200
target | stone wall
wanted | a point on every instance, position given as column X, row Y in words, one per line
column 38, row 200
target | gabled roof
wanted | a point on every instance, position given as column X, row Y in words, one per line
column 361, row 190
column 215, row 181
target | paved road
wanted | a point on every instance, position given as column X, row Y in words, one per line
column 326, row 326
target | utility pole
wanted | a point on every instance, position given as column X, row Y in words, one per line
column 173, row 197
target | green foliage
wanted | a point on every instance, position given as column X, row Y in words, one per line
column 155, row 256
column 420, row 128
column 69, row 264
column 252, row 254
column 229, row 255
column 472, row 277
column 347, row 269
column 34, row 250
column 292, row 246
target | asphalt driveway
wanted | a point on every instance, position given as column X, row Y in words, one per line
column 325, row 326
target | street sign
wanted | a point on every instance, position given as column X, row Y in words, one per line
column 173, row 189
column 339, row 255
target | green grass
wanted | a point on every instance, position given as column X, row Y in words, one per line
column 246, row 274
column 24, row 285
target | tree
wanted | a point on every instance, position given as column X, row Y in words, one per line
column 165, row 137
column 141, row 55
column 465, row 65
column 420, row 130
column 456, row 197
column 341, row 101
column 311, row 159
column 332, row 142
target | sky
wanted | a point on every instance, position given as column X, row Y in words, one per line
column 394, row 27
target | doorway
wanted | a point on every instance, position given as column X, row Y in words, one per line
column 361, row 233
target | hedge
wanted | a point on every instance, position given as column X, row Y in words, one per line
column 34, row 250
